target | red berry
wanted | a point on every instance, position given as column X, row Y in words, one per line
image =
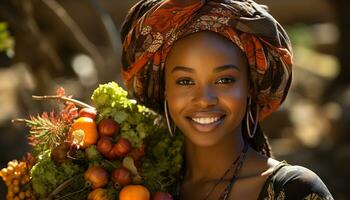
column 121, row 148
column 97, row 176
column 137, row 154
column 108, row 127
column 121, row 176
column 104, row 145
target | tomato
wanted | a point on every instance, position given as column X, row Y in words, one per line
column 121, row 176
column 97, row 176
column 137, row 154
column 108, row 127
column 121, row 148
column 104, row 145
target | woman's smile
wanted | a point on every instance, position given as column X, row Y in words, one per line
column 206, row 124
column 206, row 121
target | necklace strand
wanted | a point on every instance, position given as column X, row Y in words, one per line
column 241, row 158
column 225, row 195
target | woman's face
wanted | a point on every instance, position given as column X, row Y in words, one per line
column 206, row 87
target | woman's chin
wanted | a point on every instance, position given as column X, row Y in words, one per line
column 203, row 142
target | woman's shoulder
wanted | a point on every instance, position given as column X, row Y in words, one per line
column 294, row 182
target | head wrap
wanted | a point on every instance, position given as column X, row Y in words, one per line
column 244, row 22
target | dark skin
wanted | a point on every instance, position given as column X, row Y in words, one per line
column 207, row 90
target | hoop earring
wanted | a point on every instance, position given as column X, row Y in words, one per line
column 249, row 118
column 167, row 119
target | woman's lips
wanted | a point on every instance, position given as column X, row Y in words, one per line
column 207, row 127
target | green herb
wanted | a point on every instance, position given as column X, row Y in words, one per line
column 46, row 175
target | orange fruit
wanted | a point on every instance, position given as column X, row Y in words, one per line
column 84, row 132
column 134, row 192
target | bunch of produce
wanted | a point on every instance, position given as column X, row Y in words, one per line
column 116, row 149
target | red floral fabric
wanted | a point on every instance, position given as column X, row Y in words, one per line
column 244, row 22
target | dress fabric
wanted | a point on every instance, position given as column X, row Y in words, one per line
column 291, row 182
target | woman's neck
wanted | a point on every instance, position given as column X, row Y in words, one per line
column 210, row 163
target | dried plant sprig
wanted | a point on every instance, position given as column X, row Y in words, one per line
column 47, row 131
column 69, row 113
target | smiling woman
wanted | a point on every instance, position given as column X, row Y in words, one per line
column 215, row 69
column 208, row 95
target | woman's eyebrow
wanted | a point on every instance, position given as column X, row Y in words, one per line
column 225, row 67
column 216, row 70
column 182, row 68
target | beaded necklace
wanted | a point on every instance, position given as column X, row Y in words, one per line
column 236, row 164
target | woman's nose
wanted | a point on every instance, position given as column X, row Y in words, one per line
column 205, row 97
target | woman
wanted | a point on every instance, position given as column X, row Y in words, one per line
column 215, row 69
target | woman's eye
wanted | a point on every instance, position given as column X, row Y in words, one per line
column 185, row 82
column 226, row 80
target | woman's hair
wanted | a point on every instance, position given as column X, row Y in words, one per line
column 259, row 142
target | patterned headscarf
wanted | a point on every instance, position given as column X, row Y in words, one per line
column 244, row 22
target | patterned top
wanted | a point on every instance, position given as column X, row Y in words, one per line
column 294, row 182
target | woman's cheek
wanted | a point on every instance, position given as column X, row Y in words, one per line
column 234, row 99
column 177, row 101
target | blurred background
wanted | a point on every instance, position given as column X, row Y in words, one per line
column 75, row 44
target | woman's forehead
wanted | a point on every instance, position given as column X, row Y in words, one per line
column 205, row 47
column 203, row 38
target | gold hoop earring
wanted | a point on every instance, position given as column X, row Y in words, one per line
column 249, row 118
column 167, row 119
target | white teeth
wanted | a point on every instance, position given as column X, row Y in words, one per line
column 206, row 120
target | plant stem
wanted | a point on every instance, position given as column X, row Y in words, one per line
column 63, row 98
column 63, row 186
column 20, row 121
column 72, row 193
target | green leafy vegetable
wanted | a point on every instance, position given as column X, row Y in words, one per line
column 93, row 154
column 46, row 175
